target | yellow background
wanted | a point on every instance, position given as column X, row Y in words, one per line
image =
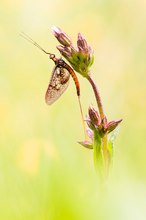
column 44, row 173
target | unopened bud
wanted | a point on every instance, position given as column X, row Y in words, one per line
column 61, row 36
column 112, row 125
column 94, row 117
column 65, row 51
column 81, row 58
column 82, row 44
column 89, row 123
column 90, row 133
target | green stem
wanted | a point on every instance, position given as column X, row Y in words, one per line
column 105, row 154
column 102, row 116
column 97, row 154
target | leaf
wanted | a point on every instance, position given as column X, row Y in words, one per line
column 113, row 135
column 111, row 144
column 86, row 144
column 97, row 153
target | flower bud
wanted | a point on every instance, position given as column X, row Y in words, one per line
column 112, row 125
column 94, row 117
column 82, row 44
column 61, row 36
column 65, row 51
column 90, row 133
column 81, row 58
column 89, row 123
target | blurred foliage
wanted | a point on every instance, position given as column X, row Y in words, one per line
column 44, row 173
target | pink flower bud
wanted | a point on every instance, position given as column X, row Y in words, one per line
column 61, row 36
column 94, row 117
column 90, row 133
column 82, row 43
column 65, row 51
column 81, row 58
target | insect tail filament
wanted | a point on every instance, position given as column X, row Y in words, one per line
column 83, row 121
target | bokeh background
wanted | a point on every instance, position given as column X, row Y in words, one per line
column 44, row 173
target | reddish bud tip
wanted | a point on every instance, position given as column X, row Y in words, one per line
column 94, row 116
column 112, row 125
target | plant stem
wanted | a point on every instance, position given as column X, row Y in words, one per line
column 105, row 155
column 97, row 96
column 102, row 116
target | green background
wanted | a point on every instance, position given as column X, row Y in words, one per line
column 44, row 173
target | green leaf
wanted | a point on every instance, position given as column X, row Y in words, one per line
column 86, row 144
column 113, row 136
column 97, row 153
column 111, row 140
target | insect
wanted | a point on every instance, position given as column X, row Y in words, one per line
column 60, row 78
column 60, row 75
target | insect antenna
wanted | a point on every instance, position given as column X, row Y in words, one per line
column 29, row 39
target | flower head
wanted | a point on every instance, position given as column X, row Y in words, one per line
column 102, row 126
column 80, row 58
column 96, row 126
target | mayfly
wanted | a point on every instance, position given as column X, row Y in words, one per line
column 60, row 77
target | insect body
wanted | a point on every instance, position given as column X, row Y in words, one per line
column 58, row 84
column 60, row 78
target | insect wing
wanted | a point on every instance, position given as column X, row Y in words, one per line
column 58, row 84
